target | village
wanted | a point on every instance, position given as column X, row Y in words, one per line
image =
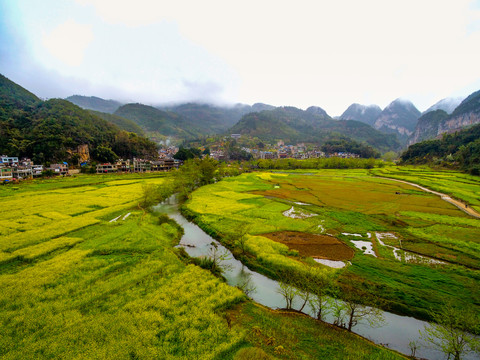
column 12, row 168
column 280, row 150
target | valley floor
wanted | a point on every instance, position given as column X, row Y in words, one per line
column 86, row 274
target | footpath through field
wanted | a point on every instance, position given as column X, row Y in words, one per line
column 461, row 205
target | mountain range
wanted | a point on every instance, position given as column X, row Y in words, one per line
column 295, row 125
column 433, row 124
column 192, row 120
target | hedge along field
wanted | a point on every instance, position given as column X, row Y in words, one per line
column 75, row 285
column 353, row 205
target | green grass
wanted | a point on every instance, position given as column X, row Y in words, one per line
column 120, row 290
column 354, row 201
column 294, row 336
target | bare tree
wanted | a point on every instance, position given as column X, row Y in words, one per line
column 354, row 309
column 289, row 292
column 246, row 285
column 451, row 331
column 216, row 259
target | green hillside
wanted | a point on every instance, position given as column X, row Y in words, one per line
column 470, row 104
column 14, row 97
column 151, row 119
column 121, row 122
column 210, row 119
column 461, row 148
column 94, row 103
column 295, row 125
column 46, row 131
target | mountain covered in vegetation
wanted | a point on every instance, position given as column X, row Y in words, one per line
column 94, row 103
column 399, row 118
column 461, row 148
column 293, row 125
column 211, row 119
column 367, row 114
column 121, row 122
column 165, row 123
column 427, row 126
column 436, row 123
column 51, row 131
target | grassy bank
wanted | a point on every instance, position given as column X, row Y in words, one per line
column 289, row 335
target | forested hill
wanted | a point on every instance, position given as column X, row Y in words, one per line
column 151, row 119
column 48, row 131
column 461, row 148
column 211, row 119
column 94, row 103
column 295, row 125
column 434, row 124
column 121, row 122
column 15, row 97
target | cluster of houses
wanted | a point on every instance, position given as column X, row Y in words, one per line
column 139, row 165
column 11, row 168
column 282, row 151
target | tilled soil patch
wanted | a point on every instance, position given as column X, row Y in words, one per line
column 319, row 246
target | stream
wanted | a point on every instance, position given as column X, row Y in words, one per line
column 395, row 333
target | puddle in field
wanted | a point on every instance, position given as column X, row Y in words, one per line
column 297, row 214
column 331, row 263
column 404, row 255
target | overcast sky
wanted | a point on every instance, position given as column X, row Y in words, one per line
column 300, row 53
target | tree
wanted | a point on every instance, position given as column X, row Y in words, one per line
column 289, row 292
column 353, row 307
column 451, row 331
column 218, row 257
column 104, row 154
column 319, row 283
column 246, row 284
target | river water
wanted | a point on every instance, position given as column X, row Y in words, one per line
column 396, row 331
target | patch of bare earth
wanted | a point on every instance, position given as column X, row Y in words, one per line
column 318, row 246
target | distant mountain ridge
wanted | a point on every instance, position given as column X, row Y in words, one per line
column 448, row 105
column 400, row 118
column 209, row 119
column 151, row 119
column 295, row 125
column 434, row 124
column 94, row 103
column 367, row 114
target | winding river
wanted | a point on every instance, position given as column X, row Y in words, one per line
column 396, row 332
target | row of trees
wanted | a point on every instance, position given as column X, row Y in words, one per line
column 191, row 175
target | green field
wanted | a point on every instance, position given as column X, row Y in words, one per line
column 439, row 245
column 77, row 285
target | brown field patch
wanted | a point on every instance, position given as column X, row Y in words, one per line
column 319, row 246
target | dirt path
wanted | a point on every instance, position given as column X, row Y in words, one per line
column 461, row 205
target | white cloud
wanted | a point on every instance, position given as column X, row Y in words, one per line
column 68, row 42
column 308, row 52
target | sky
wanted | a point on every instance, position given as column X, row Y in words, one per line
column 298, row 53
